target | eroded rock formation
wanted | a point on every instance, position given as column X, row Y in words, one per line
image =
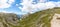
column 8, row 20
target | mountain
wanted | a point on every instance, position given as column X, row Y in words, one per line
column 8, row 20
column 40, row 19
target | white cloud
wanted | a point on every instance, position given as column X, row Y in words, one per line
column 41, row 5
column 5, row 12
column 17, row 4
column 10, row 12
column 43, row 0
column 4, row 4
column 57, row 4
column 50, row 4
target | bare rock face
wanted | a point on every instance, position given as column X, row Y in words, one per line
column 55, row 22
column 8, row 20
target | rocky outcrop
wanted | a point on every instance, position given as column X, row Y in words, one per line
column 8, row 20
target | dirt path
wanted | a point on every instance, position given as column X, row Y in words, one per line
column 55, row 21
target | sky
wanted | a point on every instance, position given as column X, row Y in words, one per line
column 10, row 6
column 27, row 6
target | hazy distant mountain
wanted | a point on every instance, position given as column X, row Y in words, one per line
column 39, row 19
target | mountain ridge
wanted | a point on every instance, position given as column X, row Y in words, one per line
column 39, row 19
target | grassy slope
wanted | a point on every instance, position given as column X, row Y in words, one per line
column 37, row 19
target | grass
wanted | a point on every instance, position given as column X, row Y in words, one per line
column 38, row 18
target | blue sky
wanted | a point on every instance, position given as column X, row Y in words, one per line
column 55, row 0
column 14, row 8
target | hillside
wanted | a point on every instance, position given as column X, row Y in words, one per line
column 44, row 18
column 8, row 20
column 39, row 19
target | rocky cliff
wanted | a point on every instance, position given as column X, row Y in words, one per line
column 8, row 20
